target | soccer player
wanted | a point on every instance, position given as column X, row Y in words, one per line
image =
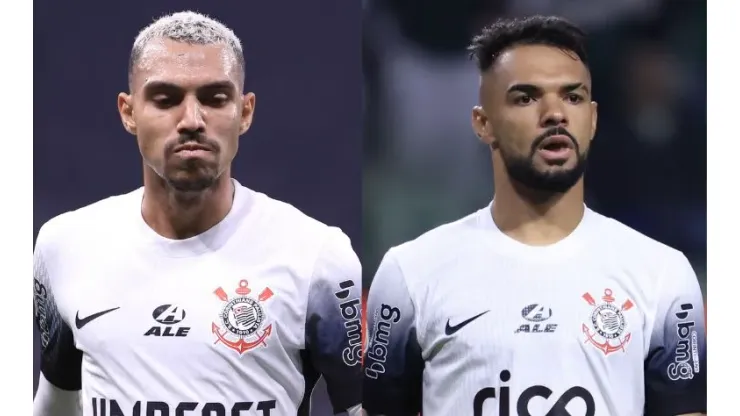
column 193, row 295
column 535, row 305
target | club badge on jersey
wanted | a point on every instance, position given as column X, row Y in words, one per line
column 607, row 326
column 241, row 326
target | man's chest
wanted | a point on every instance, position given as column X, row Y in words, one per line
column 182, row 309
column 536, row 318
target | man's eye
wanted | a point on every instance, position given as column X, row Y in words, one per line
column 216, row 99
column 523, row 100
column 574, row 98
column 163, row 100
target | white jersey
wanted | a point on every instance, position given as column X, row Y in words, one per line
column 240, row 320
column 467, row 321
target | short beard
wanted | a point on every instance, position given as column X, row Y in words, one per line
column 205, row 179
column 522, row 169
column 192, row 185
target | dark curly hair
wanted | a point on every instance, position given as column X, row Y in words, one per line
column 534, row 30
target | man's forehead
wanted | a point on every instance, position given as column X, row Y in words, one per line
column 537, row 65
column 178, row 63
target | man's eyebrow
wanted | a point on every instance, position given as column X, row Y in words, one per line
column 575, row 86
column 164, row 85
column 161, row 85
column 528, row 89
column 531, row 89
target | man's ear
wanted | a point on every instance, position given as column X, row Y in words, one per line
column 126, row 111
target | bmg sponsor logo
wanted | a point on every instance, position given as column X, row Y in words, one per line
column 686, row 361
column 108, row 407
column 41, row 306
column 377, row 352
column 351, row 311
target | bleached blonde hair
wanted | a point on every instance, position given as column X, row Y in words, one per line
column 187, row 27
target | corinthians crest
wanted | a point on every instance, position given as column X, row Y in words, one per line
column 607, row 323
column 242, row 318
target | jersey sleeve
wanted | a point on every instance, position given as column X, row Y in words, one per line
column 675, row 368
column 334, row 323
column 61, row 361
column 393, row 363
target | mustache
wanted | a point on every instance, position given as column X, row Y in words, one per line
column 195, row 138
column 554, row 131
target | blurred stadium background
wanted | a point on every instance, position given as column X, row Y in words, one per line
column 424, row 166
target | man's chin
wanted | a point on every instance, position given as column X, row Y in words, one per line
column 553, row 180
column 191, row 183
column 555, row 166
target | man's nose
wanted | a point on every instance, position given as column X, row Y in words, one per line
column 192, row 120
column 553, row 113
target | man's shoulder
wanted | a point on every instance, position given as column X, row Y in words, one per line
column 643, row 260
column 277, row 215
column 89, row 218
column 285, row 229
column 628, row 240
column 439, row 238
column 435, row 247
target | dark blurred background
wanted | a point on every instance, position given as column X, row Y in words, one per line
column 302, row 61
column 423, row 166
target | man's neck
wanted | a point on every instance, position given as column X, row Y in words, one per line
column 534, row 218
column 180, row 215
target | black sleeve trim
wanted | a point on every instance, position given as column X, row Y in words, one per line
column 61, row 361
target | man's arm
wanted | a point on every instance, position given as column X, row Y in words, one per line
column 334, row 325
column 675, row 368
column 393, row 363
column 53, row 401
column 61, row 361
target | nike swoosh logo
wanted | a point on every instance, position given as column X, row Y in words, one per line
column 449, row 329
column 79, row 323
